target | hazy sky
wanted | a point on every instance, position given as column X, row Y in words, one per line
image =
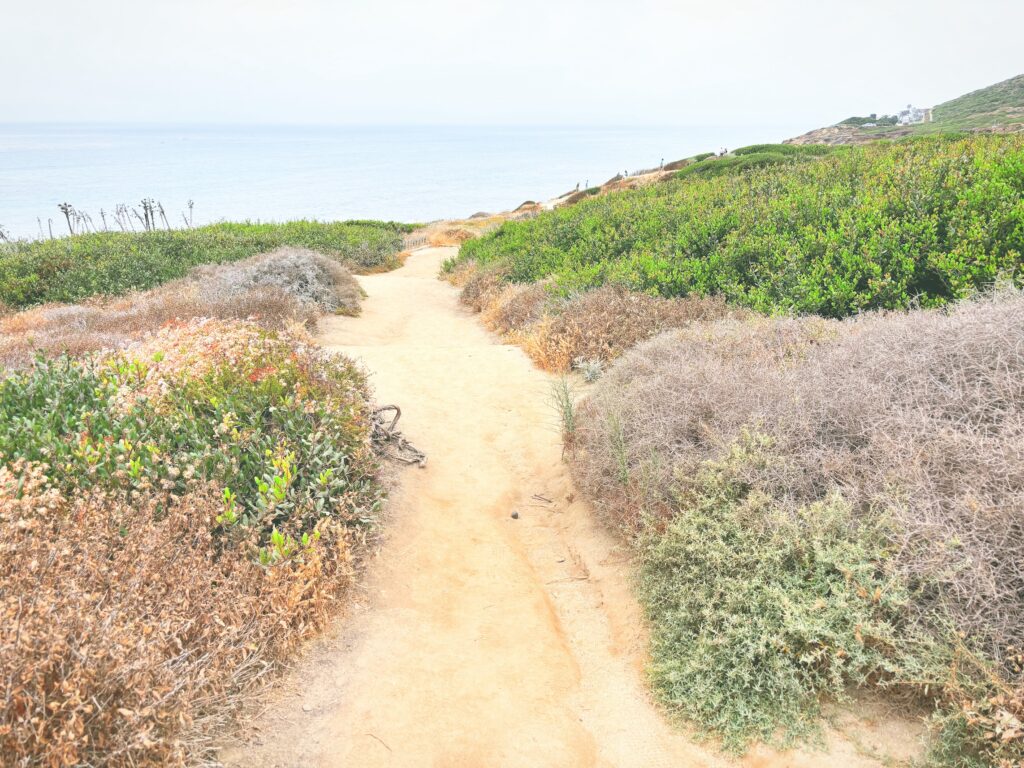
column 714, row 62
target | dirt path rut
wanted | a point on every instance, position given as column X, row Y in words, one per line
column 480, row 640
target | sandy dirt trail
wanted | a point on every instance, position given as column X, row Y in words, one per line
column 479, row 640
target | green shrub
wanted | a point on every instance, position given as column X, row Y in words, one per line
column 174, row 519
column 880, row 226
column 884, row 120
column 779, row 149
column 283, row 434
column 793, row 150
column 113, row 263
column 734, row 163
column 757, row 612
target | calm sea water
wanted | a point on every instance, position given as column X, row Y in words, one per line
column 277, row 173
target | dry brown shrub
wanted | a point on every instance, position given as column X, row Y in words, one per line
column 598, row 325
column 918, row 415
column 481, row 286
column 577, row 197
column 461, row 273
column 126, row 628
column 516, row 306
column 275, row 289
column 454, row 235
column 678, row 165
column 602, row 324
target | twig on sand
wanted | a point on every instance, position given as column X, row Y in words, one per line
column 378, row 738
column 568, row 578
column 385, row 434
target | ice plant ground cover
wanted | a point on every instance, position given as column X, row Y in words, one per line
column 174, row 517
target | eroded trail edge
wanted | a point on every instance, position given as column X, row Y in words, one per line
column 479, row 639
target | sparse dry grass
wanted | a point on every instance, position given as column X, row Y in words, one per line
column 452, row 235
column 455, row 232
column 284, row 287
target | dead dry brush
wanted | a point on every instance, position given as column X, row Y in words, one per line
column 918, row 416
column 728, row 445
column 558, row 331
column 126, row 649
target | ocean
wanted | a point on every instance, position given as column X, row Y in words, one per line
column 275, row 173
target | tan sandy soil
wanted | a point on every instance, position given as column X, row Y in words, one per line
column 483, row 640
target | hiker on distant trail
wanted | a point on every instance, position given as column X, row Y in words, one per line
column 577, row 186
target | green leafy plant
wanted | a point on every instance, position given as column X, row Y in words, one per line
column 786, row 229
column 283, row 433
column 757, row 613
column 114, row 263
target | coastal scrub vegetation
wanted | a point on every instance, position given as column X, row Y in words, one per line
column 559, row 332
column 114, row 263
column 818, row 504
column 1001, row 104
column 754, row 156
column 286, row 288
column 187, row 483
column 828, row 231
column 811, row 427
column 175, row 518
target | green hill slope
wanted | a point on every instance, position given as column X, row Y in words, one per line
column 999, row 105
column 884, row 225
column 998, row 108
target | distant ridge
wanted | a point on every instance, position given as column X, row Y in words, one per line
column 998, row 108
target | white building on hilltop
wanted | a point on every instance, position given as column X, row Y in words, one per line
column 912, row 115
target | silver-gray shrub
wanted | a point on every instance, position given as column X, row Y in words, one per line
column 289, row 285
column 916, row 416
column 310, row 278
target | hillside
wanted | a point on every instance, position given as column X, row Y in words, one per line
column 109, row 263
column 873, row 227
column 998, row 108
column 794, row 387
